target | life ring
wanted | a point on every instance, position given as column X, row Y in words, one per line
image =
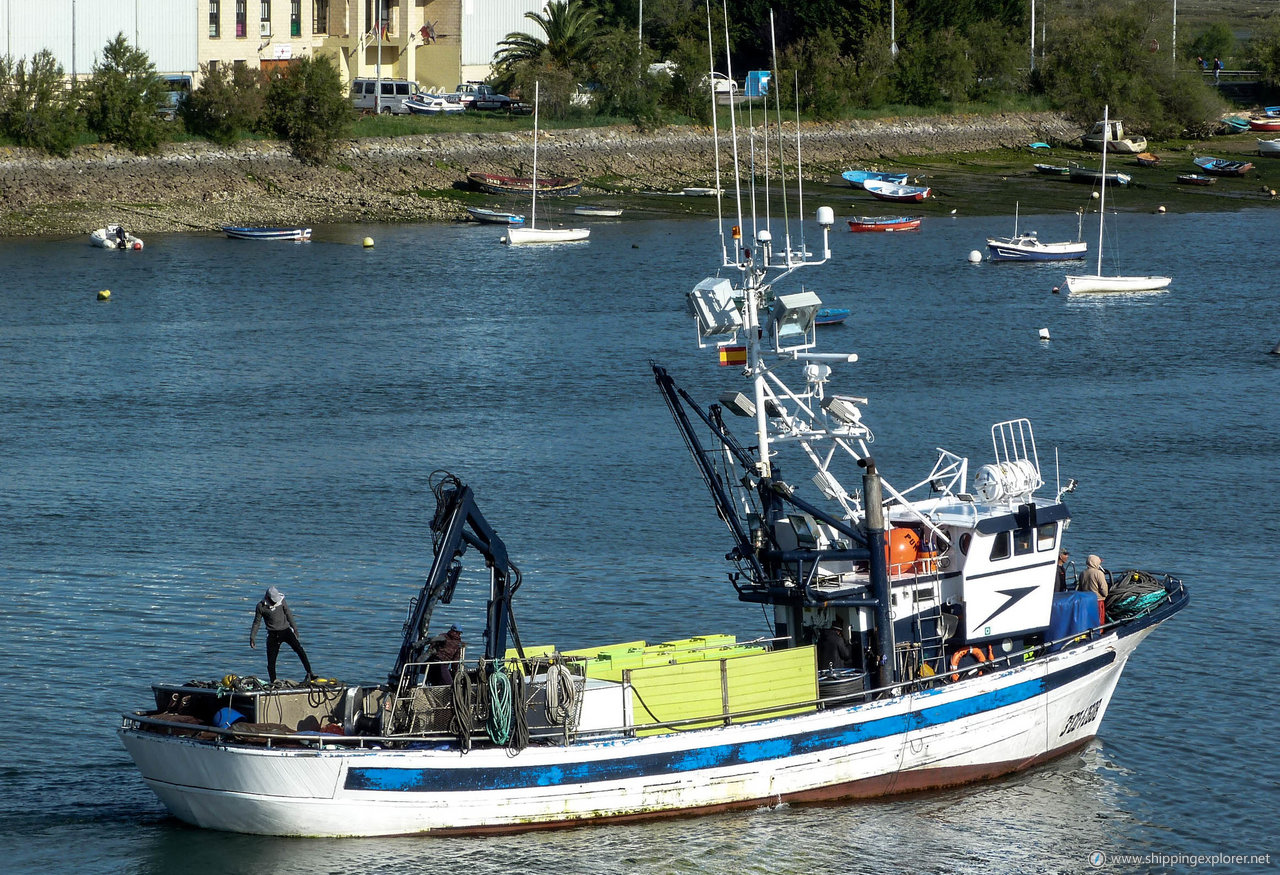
column 975, row 652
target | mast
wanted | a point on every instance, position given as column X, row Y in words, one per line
column 1102, row 203
column 533, row 213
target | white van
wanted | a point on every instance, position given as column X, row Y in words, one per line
column 364, row 94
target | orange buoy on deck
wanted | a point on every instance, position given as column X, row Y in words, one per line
column 902, row 550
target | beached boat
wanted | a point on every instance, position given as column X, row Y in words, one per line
column 1235, row 124
column 1195, row 179
column 856, row 177
column 700, row 191
column 1264, row 125
column 916, row 640
column 293, row 233
column 1222, row 167
column 1093, row 175
column 1269, row 148
column 114, row 236
column 1147, row 159
column 893, row 191
column 1026, row 246
column 495, row 217
column 531, row 233
column 1096, row 282
column 548, row 186
column 597, row 212
column 1271, row 111
column 425, row 103
column 1112, row 133
column 1052, row 169
column 884, row 223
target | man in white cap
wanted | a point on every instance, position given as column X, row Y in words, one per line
column 280, row 628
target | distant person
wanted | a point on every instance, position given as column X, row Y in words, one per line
column 445, row 652
column 1217, row 68
column 1062, row 571
column 833, row 650
column 1201, row 62
column 280, row 628
column 1093, row 579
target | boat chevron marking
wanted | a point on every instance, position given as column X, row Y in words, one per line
column 454, row 779
column 1014, row 596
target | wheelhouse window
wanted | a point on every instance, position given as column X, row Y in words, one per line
column 319, row 16
column 1022, row 542
column 242, row 18
column 295, row 18
column 215, row 19
column 264, row 20
column 1046, row 536
column 1000, row 546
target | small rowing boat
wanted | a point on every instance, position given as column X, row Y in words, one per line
column 884, row 223
column 237, row 232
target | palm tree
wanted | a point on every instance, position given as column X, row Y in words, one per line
column 569, row 28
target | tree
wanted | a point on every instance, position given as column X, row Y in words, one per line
column 820, row 73
column 123, row 98
column 35, row 107
column 569, row 30
column 1263, row 51
column 1215, row 41
column 627, row 89
column 308, row 107
column 226, row 103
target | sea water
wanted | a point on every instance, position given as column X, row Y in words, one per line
column 243, row 414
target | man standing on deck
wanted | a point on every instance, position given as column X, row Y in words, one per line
column 280, row 627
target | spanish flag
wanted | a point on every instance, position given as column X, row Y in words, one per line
column 733, row 355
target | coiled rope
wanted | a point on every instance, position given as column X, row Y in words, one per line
column 562, row 694
column 462, row 723
column 499, row 723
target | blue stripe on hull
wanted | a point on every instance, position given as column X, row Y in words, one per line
column 455, row 779
column 1019, row 255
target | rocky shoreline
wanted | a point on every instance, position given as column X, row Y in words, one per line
column 199, row 186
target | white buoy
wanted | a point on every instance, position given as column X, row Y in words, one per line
column 1095, row 195
column 1160, row 209
column 1056, row 290
column 953, row 212
column 368, row 243
column 975, row 256
column 1276, row 351
column 1044, row 333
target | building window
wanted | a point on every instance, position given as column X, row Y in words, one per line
column 381, row 8
column 215, row 18
column 295, row 18
column 264, row 20
column 242, row 18
column 319, row 16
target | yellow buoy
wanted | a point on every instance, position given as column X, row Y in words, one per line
column 104, row 295
column 368, row 243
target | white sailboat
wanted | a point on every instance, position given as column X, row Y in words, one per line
column 532, row 233
column 1096, row 282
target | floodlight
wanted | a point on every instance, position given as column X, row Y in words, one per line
column 792, row 318
column 843, row 408
column 712, row 304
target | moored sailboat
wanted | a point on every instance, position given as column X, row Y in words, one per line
column 517, row 234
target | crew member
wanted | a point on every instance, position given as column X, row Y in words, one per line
column 280, row 628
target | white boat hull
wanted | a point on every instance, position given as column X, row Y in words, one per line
column 1091, row 283
column 106, row 238
column 1269, row 147
column 975, row 729
column 546, row 235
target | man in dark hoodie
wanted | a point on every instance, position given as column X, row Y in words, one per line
column 280, row 628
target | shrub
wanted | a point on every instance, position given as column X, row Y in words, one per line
column 35, row 107
column 123, row 98
column 307, row 106
column 227, row 103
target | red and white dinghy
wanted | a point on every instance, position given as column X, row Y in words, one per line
column 884, row 223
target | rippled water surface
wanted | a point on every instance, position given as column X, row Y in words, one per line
column 242, row 414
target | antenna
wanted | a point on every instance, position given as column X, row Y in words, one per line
column 782, row 167
column 715, row 135
column 733, row 126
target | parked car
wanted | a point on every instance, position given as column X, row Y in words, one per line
column 394, row 92
column 721, row 83
column 477, row 95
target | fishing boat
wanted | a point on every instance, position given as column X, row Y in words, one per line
column 830, row 315
column 520, row 234
column 1096, row 282
column 1111, row 133
column 884, row 223
column 1026, row 246
column 1052, row 169
column 1222, row 167
column 1268, row 148
column 914, row 640
column 1264, row 125
column 597, row 212
column 495, row 217
column 1093, row 175
column 1147, row 159
column 295, row 234
column 856, row 177
column 548, row 186
column 1195, row 179
column 114, row 236
column 893, row 191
